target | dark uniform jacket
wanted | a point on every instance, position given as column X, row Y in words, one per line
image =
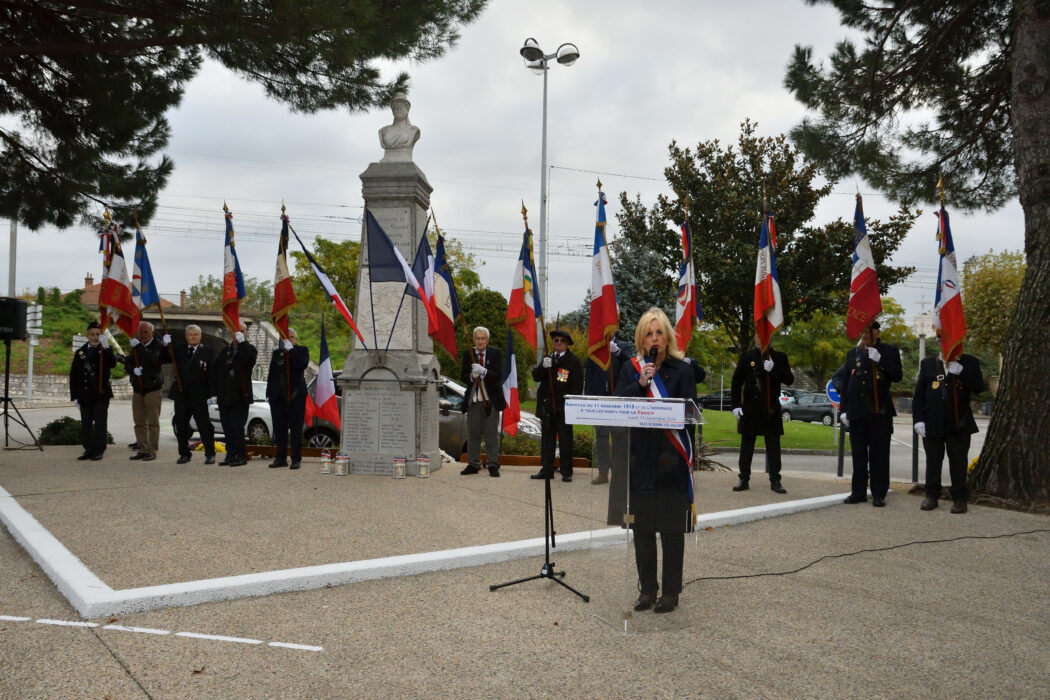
column 231, row 373
column 493, row 379
column 283, row 383
column 88, row 363
column 854, row 382
column 760, row 399
column 194, row 372
column 659, row 476
column 938, row 393
column 567, row 372
column 596, row 379
column 148, row 356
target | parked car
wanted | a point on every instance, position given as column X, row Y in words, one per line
column 452, row 422
column 793, row 393
column 718, row 401
column 786, row 397
column 809, row 408
column 259, row 426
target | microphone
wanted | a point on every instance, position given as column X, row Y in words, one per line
column 653, row 354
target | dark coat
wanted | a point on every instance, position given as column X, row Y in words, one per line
column 937, row 393
column 596, row 379
column 194, row 372
column 148, row 356
column 88, row 363
column 567, row 372
column 760, row 398
column 231, row 374
column 854, row 382
column 280, row 380
column 493, row 379
column 659, row 477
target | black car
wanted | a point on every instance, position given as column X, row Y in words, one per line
column 718, row 401
column 809, row 408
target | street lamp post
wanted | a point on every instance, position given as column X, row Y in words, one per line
column 537, row 61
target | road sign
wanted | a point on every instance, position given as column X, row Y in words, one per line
column 35, row 331
column 833, row 394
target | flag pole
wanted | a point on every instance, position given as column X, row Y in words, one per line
column 943, row 244
column 163, row 322
column 107, row 258
column 765, row 350
column 543, row 326
column 452, row 281
column 612, row 379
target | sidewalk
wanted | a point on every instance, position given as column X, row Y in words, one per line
column 967, row 618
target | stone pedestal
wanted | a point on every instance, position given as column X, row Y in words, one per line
column 390, row 396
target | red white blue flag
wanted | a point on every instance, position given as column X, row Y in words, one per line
column 864, row 300
column 769, row 309
column 446, row 304
column 283, row 294
column 687, row 311
column 386, row 264
column 324, row 403
column 115, row 299
column 512, row 413
column 232, row 280
column 948, row 317
column 524, row 306
column 329, row 288
column 143, row 288
column 605, row 313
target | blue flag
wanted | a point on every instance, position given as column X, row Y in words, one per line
column 143, row 288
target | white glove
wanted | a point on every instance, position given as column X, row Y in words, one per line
column 874, row 355
column 212, row 401
column 239, row 337
column 613, row 347
column 287, row 344
column 104, row 340
column 135, row 342
column 547, row 363
column 166, row 340
column 477, row 370
column 738, row 413
column 920, row 428
column 768, row 365
column 137, row 371
column 954, row 367
column 844, row 420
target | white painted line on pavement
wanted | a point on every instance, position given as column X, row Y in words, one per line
column 218, row 638
column 67, row 623
column 301, row 647
column 12, row 618
column 143, row 630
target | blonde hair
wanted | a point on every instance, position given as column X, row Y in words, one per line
column 656, row 314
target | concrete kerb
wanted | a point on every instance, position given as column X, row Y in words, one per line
column 92, row 598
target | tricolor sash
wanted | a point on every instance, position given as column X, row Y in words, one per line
column 680, row 439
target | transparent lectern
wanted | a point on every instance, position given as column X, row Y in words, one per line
column 611, row 555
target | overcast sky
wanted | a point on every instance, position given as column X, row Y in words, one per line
column 648, row 73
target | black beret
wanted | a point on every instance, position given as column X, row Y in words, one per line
column 558, row 333
column 93, row 324
column 874, row 325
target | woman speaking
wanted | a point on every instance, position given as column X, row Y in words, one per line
column 660, row 477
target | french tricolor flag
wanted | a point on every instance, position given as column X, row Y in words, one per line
column 324, row 403
column 232, row 281
column 864, row 300
column 948, row 317
column 512, row 413
column 687, row 310
column 769, row 309
column 386, row 264
column 524, row 306
column 445, row 302
column 605, row 314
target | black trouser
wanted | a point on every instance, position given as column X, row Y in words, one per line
column 287, row 416
column 198, row 410
column 747, row 451
column 556, row 428
column 93, row 425
column 957, row 445
column 645, row 559
column 233, row 419
column 870, row 440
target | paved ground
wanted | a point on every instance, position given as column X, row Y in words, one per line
column 968, row 617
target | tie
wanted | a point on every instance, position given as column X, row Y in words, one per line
column 191, row 349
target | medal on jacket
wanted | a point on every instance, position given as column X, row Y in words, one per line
column 563, row 375
column 936, row 384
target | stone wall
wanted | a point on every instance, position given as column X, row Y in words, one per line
column 56, row 386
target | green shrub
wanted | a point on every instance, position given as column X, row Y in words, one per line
column 520, row 445
column 64, row 431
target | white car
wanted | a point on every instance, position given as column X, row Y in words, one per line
column 259, row 426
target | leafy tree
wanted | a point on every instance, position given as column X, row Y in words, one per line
column 645, row 259
column 980, row 69
column 207, row 294
column 816, row 345
column 485, row 307
column 990, row 285
column 726, row 187
column 90, row 83
column 340, row 262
